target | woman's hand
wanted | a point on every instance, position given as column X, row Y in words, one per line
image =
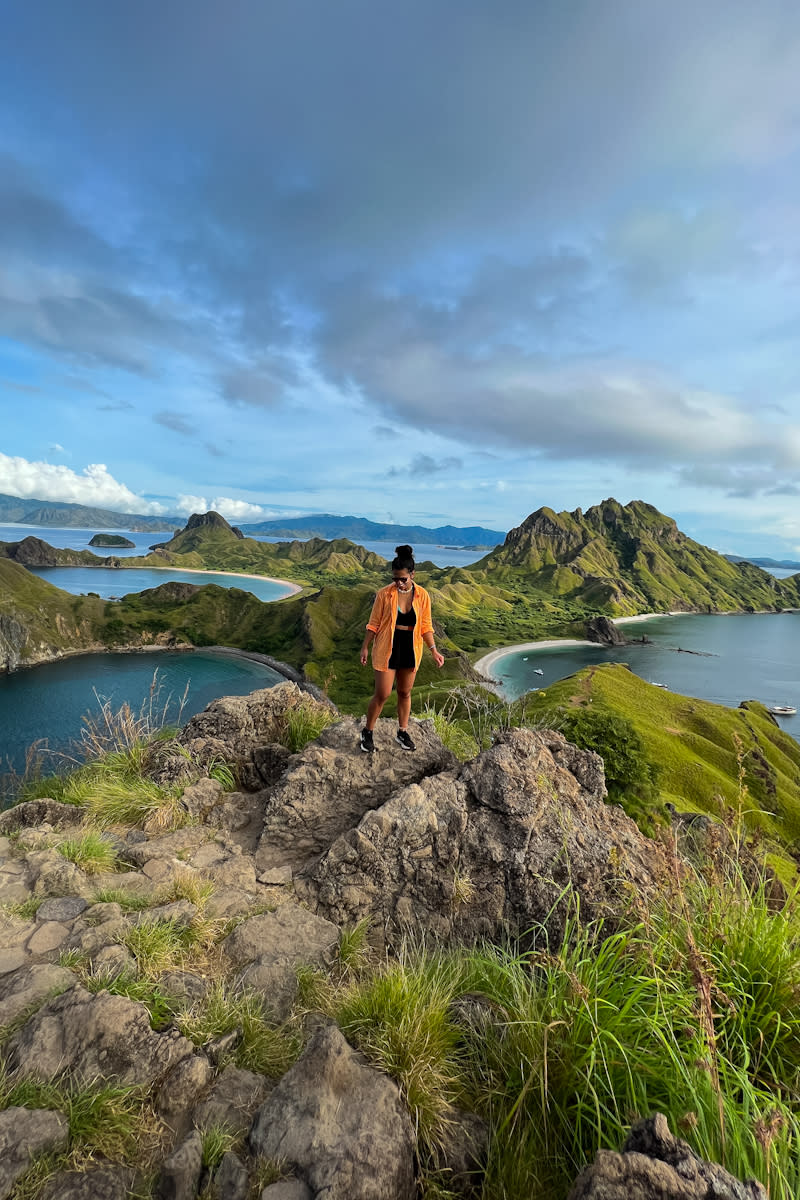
column 364, row 655
column 438, row 658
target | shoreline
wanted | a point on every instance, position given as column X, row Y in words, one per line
column 487, row 661
column 294, row 588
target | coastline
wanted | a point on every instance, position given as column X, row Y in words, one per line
column 484, row 665
column 294, row 588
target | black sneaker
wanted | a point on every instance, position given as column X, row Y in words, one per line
column 404, row 740
column 367, row 744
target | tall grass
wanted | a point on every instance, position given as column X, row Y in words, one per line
column 694, row 1013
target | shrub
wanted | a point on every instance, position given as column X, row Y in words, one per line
column 629, row 772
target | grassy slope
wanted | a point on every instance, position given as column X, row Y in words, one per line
column 693, row 742
column 47, row 616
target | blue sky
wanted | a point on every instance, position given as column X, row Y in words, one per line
column 429, row 262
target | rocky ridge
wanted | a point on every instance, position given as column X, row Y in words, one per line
column 412, row 844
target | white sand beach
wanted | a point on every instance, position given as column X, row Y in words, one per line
column 490, row 660
column 294, row 588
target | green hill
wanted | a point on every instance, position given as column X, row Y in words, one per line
column 693, row 744
column 625, row 559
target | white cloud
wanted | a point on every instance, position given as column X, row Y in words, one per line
column 93, row 486
column 232, row 510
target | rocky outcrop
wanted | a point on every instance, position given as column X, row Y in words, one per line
column 600, row 629
column 340, row 1124
column 326, row 789
column 25, row 1132
column 94, row 1036
column 654, row 1165
column 518, row 837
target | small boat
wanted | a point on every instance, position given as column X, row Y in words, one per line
column 781, row 710
column 525, row 659
column 538, row 671
column 661, row 685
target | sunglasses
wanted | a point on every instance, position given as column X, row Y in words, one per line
column 400, row 578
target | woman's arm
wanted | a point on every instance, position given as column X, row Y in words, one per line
column 369, row 638
column 430, row 642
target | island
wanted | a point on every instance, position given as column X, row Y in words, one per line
column 112, row 540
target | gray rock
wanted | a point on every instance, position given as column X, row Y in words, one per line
column 180, row 1174
column 340, row 1123
column 113, row 961
column 200, row 798
column 62, row 908
column 181, row 914
column 183, row 986
column 98, row 914
column 276, row 876
column 181, row 1088
column 169, row 845
column 654, row 1165
column 40, row 812
column 231, row 1181
column 240, row 729
column 232, row 1101
column 30, row 985
column 276, row 983
column 98, row 1183
column 506, row 842
column 462, row 1153
column 287, row 1189
column 331, row 784
column 90, row 941
column 48, row 935
column 600, row 629
column 95, row 1036
column 25, row 1132
column 290, row 936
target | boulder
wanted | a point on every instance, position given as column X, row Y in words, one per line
column 98, row 1183
column 509, row 841
column 291, row 936
column 654, row 1165
column 331, row 784
column 341, row 1124
column 600, row 629
column 231, row 1180
column 40, row 812
column 25, row 1132
column 180, row 1174
column 95, row 1037
column 237, row 729
column 30, row 985
column 233, row 1101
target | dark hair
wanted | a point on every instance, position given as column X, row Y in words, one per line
column 404, row 560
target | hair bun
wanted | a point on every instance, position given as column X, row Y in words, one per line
column 404, row 551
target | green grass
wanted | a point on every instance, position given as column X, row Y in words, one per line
column 158, row 945
column 159, row 1004
column 305, row 723
column 90, row 851
column 693, row 1014
column 263, row 1047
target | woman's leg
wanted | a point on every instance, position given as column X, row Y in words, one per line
column 383, row 690
column 405, row 682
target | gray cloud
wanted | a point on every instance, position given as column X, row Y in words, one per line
column 424, row 465
column 175, row 421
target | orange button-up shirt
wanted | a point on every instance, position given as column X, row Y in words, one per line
column 382, row 622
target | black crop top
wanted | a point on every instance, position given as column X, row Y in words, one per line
column 406, row 621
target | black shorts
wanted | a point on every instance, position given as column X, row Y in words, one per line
column 402, row 651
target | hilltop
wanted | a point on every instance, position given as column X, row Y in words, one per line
column 627, row 559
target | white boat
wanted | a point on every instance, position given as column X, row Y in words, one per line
column 525, row 659
column 781, row 710
column 537, row 671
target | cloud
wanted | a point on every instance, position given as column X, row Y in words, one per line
column 424, row 465
column 94, row 486
column 175, row 421
column 26, row 388
column 55, row 448
column 232, row 510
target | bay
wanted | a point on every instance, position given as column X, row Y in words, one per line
column 112, row 583
column 741, row 656
column 48, row 702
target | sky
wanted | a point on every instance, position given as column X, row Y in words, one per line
column 443, row 261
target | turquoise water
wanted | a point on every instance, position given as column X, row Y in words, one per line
column 739, row 657
column 49, row 701
column 111, row 583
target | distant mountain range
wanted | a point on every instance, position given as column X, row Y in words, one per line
column 788, row 564
column 55, row 514
column 61, row 515
column 359, row 529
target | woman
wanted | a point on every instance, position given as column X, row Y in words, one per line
column 399, row 624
